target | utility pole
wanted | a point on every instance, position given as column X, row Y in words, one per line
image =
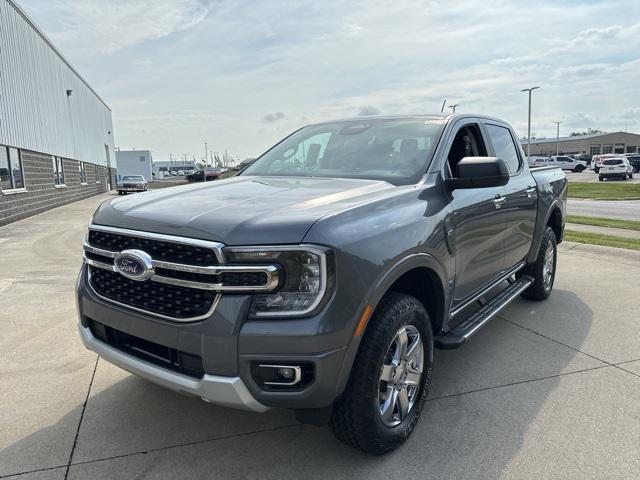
column 529, row 123
column 170, row 162
column 557, row 138
column 205, row 153
column 453, row 107
column 443, row 104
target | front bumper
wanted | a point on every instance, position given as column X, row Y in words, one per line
column 225, row 391
column 228, row 345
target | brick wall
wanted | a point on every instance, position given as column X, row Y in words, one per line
column 42, row 193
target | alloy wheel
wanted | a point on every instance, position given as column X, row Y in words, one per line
column 400, row 376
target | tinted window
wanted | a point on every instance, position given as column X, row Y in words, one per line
column 612, row 162
column 504, row 147
column 395, row 150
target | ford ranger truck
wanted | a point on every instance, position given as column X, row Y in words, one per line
column 322, row 277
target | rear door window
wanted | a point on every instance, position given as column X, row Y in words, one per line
column 504, row 147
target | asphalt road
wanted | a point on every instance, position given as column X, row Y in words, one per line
column 547, row 389
column 618, row 209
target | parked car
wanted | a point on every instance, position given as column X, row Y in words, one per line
column 634, row 160
column 323, row 276
column 180, row 173
column 596, row 161
column 132, row 183
column 538, row 161
column 203, row 175
column 567, row 163
column 583, row 157
column 617, row 167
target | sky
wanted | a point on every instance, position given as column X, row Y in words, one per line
column 242, row 75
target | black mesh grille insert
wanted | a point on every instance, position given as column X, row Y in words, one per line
column 234, row 279
column 171, row 300
column 159, row 250
column 169, row 358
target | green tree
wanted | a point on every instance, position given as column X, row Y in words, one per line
column 589, row 131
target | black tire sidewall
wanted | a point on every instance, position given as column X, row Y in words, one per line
column 356, row 418
column 420, row 320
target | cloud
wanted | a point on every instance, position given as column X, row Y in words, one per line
column 273, row 117
column 368, row 110
column 107, row 27
column 178, row 73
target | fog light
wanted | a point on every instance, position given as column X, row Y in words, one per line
column 284, row 375
column 287, row 373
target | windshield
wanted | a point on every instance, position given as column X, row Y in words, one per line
column 133, row 178
column 395, row 150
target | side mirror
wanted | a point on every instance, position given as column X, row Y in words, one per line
column 480, row 172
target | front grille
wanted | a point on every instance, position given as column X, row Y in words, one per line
column 155, row 297
column 166, row 357
column 158, row 249
column 184, row 276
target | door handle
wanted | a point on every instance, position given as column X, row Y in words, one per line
column 530, row 191
column 498, row 202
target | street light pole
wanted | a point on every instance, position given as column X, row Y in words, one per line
column 453, row 107
column 529, row 123
column 205, row 154
column 557, row 138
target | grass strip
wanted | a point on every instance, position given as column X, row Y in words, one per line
column 605, row 191
column 604, row 222
column 600, row 239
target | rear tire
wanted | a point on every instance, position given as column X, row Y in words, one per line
column 600, row 178
column 543, row 270
column 365, row 415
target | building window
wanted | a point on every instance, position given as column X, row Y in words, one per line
column 83, row 172
column 11, row 171
column 142, row 158
column 631, row 149
column 594, row 150
column 58, row 171
column 607, row 149
column 97, row 172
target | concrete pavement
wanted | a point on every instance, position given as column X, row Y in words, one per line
column 549, row 389
column 618, row 209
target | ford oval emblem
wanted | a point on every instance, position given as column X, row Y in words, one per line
column 134, row 264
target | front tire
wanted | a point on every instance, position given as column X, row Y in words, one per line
column 543, row 270
column 600, row 178
column 390, row 378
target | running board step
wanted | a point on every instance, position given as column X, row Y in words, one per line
column 465, row 329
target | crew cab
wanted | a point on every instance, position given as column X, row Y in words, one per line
column 322, row 277
column 567, row 163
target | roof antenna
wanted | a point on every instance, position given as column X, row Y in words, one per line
column 443, row 104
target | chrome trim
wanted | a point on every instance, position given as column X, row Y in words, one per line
column 492, row 285
column 302, row 247
column 95, row 263
column 225, row 391
column 512, row 296
column 271, row 271
column 296, row 378
column 212, row 309
column 215, row 246
column 98, row 251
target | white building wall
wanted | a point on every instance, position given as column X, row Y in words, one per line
column 134, row 162
column 35, row 111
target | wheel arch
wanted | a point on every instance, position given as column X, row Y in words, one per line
column 419, row 275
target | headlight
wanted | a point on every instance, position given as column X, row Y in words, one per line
column 308, row 277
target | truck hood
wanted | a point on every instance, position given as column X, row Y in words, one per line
column 245, row 210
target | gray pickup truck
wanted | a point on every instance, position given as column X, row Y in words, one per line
column 322, row 277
